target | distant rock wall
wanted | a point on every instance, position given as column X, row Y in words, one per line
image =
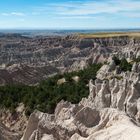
column 44, row 56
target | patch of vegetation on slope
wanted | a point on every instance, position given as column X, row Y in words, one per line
column 47, row 94
column 123, row 64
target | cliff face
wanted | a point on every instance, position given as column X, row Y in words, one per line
column 40, row 57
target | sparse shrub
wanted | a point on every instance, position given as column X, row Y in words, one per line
column 125, row 66
column 116, row 60
column 116, row 77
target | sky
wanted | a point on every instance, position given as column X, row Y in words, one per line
column 69, row 14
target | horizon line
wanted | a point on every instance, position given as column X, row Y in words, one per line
column 29, row 28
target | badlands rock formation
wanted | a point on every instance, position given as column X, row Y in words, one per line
column 111, row 111
column 29, row 60
column 12, row 125
column 6, row 134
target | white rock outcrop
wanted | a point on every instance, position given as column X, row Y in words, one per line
column 111, row 112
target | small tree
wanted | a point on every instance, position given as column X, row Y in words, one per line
column 125, row 66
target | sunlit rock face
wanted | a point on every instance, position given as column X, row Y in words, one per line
column 111, row 111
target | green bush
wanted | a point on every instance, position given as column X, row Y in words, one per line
column 47, row 94
column 123, row 64
column 116, row 60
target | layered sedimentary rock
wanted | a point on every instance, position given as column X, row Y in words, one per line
column 42, row 56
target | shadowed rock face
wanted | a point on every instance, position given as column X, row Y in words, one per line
column 39, row 57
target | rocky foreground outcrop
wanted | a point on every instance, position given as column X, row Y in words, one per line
column 111, row 112
column 6, row 134
column 12, row 124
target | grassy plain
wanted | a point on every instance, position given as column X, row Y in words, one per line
column 110, row 34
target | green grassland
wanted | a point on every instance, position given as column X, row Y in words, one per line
column 110, row 34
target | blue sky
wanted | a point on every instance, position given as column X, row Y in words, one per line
column 70, row 14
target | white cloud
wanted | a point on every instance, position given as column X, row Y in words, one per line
column 13, row 14
column 5, row 14
column 92, row 8
column 17, row 14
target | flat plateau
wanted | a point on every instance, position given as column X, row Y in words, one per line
column 110, row 34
